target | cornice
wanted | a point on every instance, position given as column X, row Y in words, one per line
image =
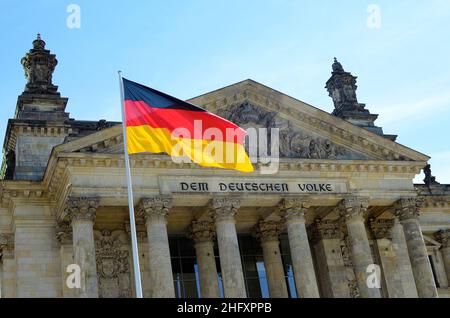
column 18, row 128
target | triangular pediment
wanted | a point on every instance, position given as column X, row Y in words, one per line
column 301, row 125
column 305, row 131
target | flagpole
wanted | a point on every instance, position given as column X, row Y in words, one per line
column 134, row 245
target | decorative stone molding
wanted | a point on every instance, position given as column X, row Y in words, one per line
column 267, row 231
column 82, row 208
column 201, row 231
column 346, row 252
column 381, row 228
column 64, row 233
column 224, row 208
column 155, row 209
column 293, row 208
column 443, row 237
column 435, row 201
column 108, row 160
column 353, row 207
column 408, row 208
column 354, row 289
column 6, row 245
column 113, row 269
column 326, row 230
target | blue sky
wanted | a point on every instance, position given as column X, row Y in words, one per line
column 190, row 47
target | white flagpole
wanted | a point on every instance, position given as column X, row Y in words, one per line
column 134, row 245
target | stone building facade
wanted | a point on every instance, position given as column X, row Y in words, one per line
column 342, row 200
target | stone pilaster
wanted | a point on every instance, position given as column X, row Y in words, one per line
column 8, row 275
column 443, row 237
column 203, row 234
column 293, row 212
column 331, row 270
column 268, row 234
column 155, row 210
column 407, row 211
column 64, row 235
column 224, row 210
column 352, row 210
column 82, row 213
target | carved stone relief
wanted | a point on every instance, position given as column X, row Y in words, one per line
column 351, row 278
column 294, row 142
column 113, row 268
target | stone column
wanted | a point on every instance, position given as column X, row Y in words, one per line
column 82, row 212
column 352, row 209
column 443, row 237
column 155, row 211
column 382, row 233
column 224, row 211
column 331, row 270
column 202, row 232
column 8, row 276
column 403, row 261
column 268, row 234
column 407, row 211
column 293, row 212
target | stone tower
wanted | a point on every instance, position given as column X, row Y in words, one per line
column 40, row 121
column 342, row 89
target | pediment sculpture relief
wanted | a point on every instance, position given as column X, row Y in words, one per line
column 294, row 142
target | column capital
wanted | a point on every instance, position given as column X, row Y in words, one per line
column 224, row 208
column 267, row 231
column 293, row 208
column 6, row 245
column 156, row 208
column 82, row 208
column 443, row 237
column 201, row 231
column 326, row 230
column 353, row 206
column 408, row 208
column 381, row 228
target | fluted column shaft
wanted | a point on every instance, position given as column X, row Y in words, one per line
column 268, row 234
column 293, row 212
column 155, row 211
column 403, row 261
column 82, row 213
column 224, row 211
column 352, row 209
column 407, row 211
column 202, row 232
column 443, row 237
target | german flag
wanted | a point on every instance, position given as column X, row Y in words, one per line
column 159, row 123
